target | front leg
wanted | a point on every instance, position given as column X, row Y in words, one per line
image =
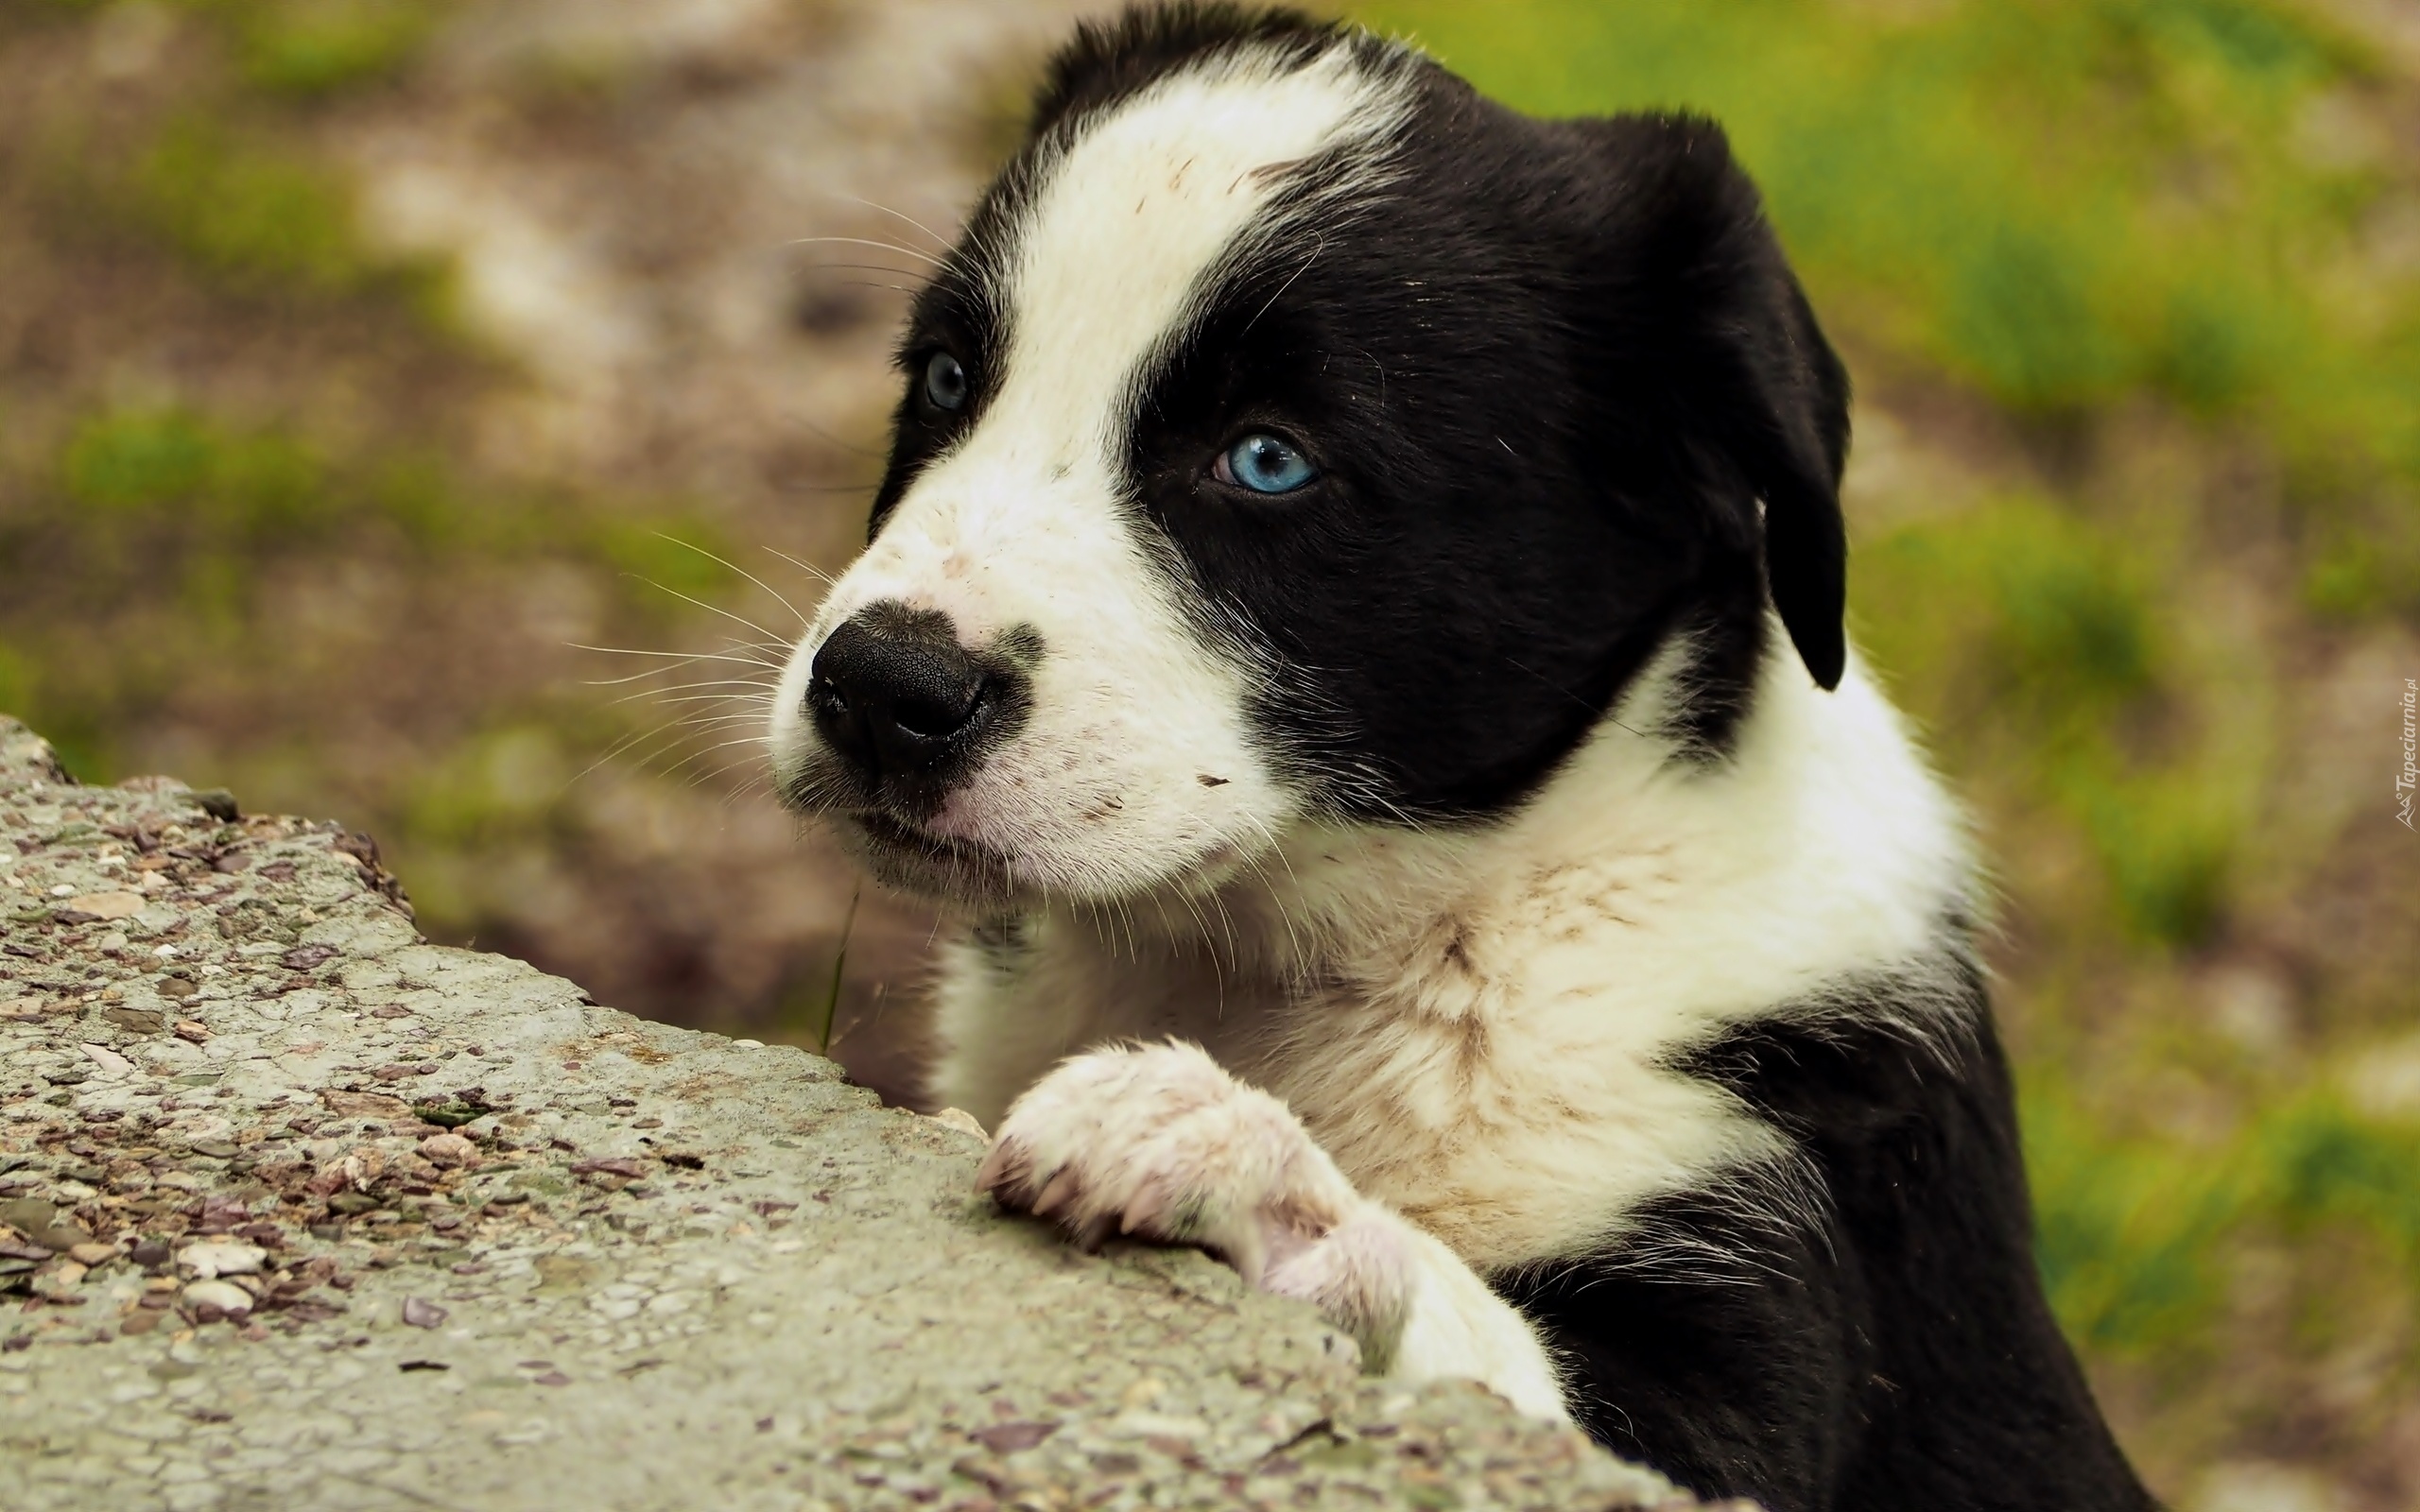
column 1160, row 1141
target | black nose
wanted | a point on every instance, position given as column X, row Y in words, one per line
column 895, row 694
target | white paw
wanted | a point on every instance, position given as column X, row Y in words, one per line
column 1160, row 1141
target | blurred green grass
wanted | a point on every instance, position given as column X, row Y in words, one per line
column 253, row 216
column 188, row 513
column 2060, row 203
column 2137, row 1232
column 307, row 49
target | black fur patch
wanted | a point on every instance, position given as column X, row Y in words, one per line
column 1545, row 371
column 1873, row 1335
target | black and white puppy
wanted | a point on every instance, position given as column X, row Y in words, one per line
column 1353, row 622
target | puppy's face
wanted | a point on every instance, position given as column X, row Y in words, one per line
column 1293, row 433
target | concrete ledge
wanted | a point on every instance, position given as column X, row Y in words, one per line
column 301, row 1211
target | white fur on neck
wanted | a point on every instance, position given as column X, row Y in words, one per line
column 1476, row 1022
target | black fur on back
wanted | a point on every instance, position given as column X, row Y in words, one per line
column 1873, row 1334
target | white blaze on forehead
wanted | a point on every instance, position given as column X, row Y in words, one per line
column 1146, row 200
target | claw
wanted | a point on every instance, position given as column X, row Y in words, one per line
column 996, row 1164
column 1248, row 1259
column 1146, row 1207
column 1061, row 1190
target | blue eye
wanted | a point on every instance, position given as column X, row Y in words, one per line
column 1265, row 465
column 944, row 382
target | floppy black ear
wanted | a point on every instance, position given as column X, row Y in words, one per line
column 1721, row 349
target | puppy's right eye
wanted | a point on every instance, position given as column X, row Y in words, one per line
column 944, row 383
column 1264, row 464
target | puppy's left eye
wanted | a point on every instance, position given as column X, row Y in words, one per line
column 1265, row 465
column 945, row 383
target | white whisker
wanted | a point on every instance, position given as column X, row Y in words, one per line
column 925, row 258
column 686, row 598
column 742, row 571
column 939, row 240
column 815, row 573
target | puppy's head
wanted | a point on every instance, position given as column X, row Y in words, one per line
column 1295, row 433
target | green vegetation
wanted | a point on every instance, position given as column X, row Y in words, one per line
column 2034, row 631
column 312, row 48
column 2130, row 1229
column 251, row 215
column 230, row 484
column 215, row 483
column 500, row 786
column 840, row 976
column 308, row 49
column 191, row 515
column 221, row 170
column 2138, row 1232
column 2004, row 189
column 258, row 220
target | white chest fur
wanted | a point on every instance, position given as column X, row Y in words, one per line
column 1477, row 1023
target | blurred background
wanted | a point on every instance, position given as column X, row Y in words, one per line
column 428, row 412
